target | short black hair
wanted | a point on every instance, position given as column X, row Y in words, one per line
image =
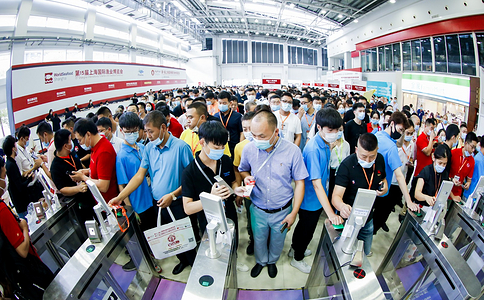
column 248, row 116
column 440, row 152
column 200, row 99
column 209, row 95
column 105, row 111
column 129, row 120
column 84, row 126
column 201, row 108
column 430, row 121
column 142, row 104
column 349, row 102
column 358, row 105
column 132, row 104
column 104, row 122
column 368, row 141
column 329, row 117
column 155, row 118
column 23, row 131
column 224, row 95
column 214, row 132
column 398, row 118
column 165, row 110
column 287, row 95
column 264, row 93
column 375, row 112
column 69, row 122
column 8, row 144
column 307, row 96
column 44, row 127
column 452, row 130
column 471, row 137
column 61, row 137
column 463, row 124
column 249, row 90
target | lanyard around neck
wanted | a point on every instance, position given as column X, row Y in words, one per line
column 366, row 177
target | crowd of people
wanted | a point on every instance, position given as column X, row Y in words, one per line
column 307, row 151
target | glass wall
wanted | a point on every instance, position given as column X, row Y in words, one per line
column 454, row 53
column 302, row 56
column 267, row 53
column 324, row 62
column 234, row 52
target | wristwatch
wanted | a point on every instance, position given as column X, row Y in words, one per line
column 173, row 195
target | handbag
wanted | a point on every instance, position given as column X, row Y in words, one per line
column 172, row 238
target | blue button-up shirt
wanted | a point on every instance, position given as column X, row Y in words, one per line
column 388, row 148
column 478, row 172
column 128, row 161
column 166, row 165
column 316, row 156
column 273, row 181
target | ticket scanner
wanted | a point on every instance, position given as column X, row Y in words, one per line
column 422, row 262
column 341, row 269
column 214, row 273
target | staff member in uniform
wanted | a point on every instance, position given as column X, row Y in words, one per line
column 308, row 116
column 462, row 166
column 363, row 169
column 430, row 178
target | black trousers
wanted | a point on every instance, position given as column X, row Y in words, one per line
column 332, row 180
column 176, row 207
column 304, row 231
column 384, row 206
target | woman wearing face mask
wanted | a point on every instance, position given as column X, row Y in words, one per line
column 428, row 181
column 341, row 109
column 441, row 136
column 374, row 125
column 340, row 149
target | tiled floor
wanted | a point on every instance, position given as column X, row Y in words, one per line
column 288, row 277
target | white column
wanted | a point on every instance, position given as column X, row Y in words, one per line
column 133, row 32
column 18, row 48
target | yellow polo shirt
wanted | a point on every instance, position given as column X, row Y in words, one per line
column 238, row 152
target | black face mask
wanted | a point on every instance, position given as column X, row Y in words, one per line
column 395, row 134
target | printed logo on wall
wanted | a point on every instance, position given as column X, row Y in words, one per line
column 141, row 72
column 49, row 78
column 382, row 88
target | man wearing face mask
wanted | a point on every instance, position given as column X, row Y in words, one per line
column 250, row 93
column 212, row 103
column 317, row 155
column 354, row 128
column 102, row 170
column 363, row 169
column 451, row 134
column 425, row 146
column 388, row 142
column 196, row 115
column 288, row 123
column 307, row 116
column 272, row 163
column 46, row 137
column 165, row 158
column 230, row 119
column 462, row 167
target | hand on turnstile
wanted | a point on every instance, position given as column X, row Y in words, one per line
column 413, row 207
column 430, row 200
column 335, row 219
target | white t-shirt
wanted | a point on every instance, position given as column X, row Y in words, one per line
column 289, row 126
column 339, row 153
column 118, row 132
column 183, row 120
column 405, row 153
column 116, row 142
column 50, row 153
column 23, row 159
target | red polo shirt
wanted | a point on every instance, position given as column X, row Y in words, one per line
column 11, row 229
column 461, row 166
column 103, row 166
column 175, row 128
column 422, row 159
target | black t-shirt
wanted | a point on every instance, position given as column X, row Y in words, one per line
column 233, row 125
column 81, row 152
column 17, row 186
column 432, row 181
column 194, row 182
column 352, row 133
column 60, row 168
column 350, row 176
column 449, row 157
column 178, row 111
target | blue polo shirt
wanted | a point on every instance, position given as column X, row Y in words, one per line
column 166, row 165
column 128, row 161
column 316, row 156
column 388, row 148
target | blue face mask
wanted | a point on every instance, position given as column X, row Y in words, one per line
column 454, row 144
column 214, row 154
column 264, row 144
column 209, row 102
column 466, row 153
column 131, row 138
column 305, row 107
column 341, row 110
column 286, row 106
column 158, row 142
column 374, row 121
column 294, row 111
column 26, row 144
column 340, row 135
column 223, row 107
column 445, row 122
column 317, row 107
column 275, row 107
column 439, row 169
column 408, row 138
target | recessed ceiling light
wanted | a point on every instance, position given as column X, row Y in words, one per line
column 246, row 32
column 235, row 31
column 257, row 21
column 323, row 12
column 298, row 38
column 309, row 41
column 340, row 16
column 206, row 31
column 242, row 20
column 225, row 31
column 279, row 35
column 257, row 33
column 291, row 5
column 283, row 24
column 392, row 1
column 269, row 22
column 229, row 19
column 267, row 34
column 319, row 43
column 356, row 21
column 216, row 19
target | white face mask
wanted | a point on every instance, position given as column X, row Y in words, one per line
column 251, row 97
column 330, row 137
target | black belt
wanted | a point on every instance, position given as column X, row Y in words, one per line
column 273, row 211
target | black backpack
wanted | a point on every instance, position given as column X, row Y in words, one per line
column 28, row 277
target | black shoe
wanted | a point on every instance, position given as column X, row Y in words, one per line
column 250, row 249
column 385, row 228
column 179, row 268
column 272, row 270
column 129, row 266
column 256, row 270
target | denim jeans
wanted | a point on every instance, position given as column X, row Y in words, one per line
column 366, row 235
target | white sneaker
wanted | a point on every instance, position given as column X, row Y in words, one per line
column 301, row 266
column 306, row 253
column 370, row 254
column 242, row 267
